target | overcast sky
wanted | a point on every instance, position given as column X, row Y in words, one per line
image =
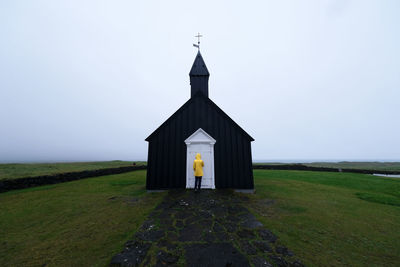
column 90, row 80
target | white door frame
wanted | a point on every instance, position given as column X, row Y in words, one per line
column 202, row 138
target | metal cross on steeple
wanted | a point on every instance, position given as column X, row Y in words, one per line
column 198, row 41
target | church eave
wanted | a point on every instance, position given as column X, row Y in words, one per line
column 184, row 106
column 169, row 119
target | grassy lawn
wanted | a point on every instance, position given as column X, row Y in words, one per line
column 379, row 166
column 80, row 223
column 19, row 170
column 382, row 166
column 327, row 219
column 332, row 219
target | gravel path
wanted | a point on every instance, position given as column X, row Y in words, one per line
column 210, row 228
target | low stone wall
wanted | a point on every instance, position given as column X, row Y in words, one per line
column 300, row 167
column 26, row 182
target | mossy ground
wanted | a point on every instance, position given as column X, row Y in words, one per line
column 326, row 219
column 210, row 228
column 331, row 219
column 80, row 223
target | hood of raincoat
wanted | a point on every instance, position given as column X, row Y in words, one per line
column 198, row 156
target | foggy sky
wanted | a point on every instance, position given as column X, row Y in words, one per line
column 90, row 80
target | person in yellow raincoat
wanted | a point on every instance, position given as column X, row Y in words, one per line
column 198, row 171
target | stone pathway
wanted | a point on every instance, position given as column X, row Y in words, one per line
column 210, row 228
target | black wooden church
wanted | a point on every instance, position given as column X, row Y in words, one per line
column 199, row 126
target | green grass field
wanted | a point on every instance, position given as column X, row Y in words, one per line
column 19, row 170
column 379, row 166
column 80, row 223
column 327, row 219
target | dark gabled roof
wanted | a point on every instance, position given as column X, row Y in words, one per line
column 199, row 67
column 209, row 102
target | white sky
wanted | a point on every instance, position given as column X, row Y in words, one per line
column 90, row 80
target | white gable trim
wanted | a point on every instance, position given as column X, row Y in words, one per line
column 200, row 136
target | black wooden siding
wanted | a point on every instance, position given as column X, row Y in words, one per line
column 166, row 163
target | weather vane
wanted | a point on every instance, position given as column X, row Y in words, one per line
column 198, row 41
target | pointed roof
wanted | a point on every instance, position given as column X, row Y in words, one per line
column 199, row 67
column 207, row 101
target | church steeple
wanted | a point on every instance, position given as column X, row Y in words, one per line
column 199, row 76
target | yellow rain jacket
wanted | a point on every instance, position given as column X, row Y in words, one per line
column 198, row 165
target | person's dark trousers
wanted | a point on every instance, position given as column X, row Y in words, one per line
column 197, row 183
